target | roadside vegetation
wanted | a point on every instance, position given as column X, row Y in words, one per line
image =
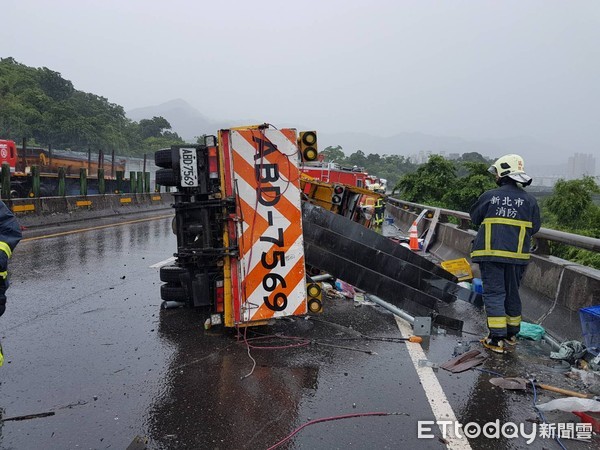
column 40, row 105
column 571, row 208
column 457, row 184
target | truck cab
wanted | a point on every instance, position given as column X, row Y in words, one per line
column 8, row 154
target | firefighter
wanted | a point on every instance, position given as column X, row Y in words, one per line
column 507, row 218
column 10, row 235
column 379, row 211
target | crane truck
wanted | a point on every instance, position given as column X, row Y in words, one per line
column 253, row 229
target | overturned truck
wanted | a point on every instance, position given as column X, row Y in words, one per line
column 251, row 229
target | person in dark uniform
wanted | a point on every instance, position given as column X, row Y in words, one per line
column 10, row 235
column 507, row 218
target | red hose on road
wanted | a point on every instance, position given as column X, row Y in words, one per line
column 327, row 419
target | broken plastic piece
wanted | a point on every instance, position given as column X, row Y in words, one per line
column 460, row 268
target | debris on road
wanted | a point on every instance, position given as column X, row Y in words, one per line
column 28, row 416
column 569, row 351
column 531, row 331
column 518, row 383
column 465, row 361
column 138, row 443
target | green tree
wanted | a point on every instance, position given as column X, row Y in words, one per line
column 357, row 158
column 570, row 205
column 53, row 85
column 571, row 208
column 466, row 189
column 154, row 127
column 42, row 106
column 334, row 154
column 473, row 157
column 429, row 183
column 373, row 159
column 151, row 144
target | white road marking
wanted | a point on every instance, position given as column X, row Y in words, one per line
column 433, row 390
column 158, row 265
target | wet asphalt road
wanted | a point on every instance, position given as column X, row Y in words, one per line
column 84, row 338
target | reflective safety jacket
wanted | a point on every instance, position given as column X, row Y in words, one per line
column 507, row 218
column 10, row 235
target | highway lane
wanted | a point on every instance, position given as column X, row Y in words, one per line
column 84, row 339
column 81, row 329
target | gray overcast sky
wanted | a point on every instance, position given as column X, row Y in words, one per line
column 472, row 69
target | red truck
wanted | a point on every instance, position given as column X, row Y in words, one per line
column 8, row 154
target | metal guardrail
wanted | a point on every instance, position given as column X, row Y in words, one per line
column 542, row 236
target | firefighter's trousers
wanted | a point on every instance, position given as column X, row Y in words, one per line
column 501, row 283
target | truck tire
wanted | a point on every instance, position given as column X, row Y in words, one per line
column 162, row 158
column 173, row 293
column 166, row 177
column 171, row 273
column 17, row 190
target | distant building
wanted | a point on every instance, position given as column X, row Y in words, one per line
column 581, row 164
column 423, row 156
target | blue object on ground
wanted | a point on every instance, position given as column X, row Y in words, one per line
column 478, row 285
column 590, row 328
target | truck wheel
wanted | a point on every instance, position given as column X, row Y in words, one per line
column 17, row 191
column 173, row 293
column 166, row 177
column 162, row 158
column 170, row 274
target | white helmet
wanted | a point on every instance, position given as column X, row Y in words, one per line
column 511, row 166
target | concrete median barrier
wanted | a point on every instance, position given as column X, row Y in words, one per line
column 47, row 211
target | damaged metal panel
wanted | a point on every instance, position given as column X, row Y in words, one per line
column 379, row 262
column 401, row 295
column 357, row 232
column 394, row 280
column 370, row 249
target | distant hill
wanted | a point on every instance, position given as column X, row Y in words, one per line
column 405, row 144
column 188, row 122
column 408, row 144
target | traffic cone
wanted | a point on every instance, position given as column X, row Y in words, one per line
column 414, row 237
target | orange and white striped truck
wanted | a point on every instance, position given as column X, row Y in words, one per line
column 249, row 222
column 238, row 222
